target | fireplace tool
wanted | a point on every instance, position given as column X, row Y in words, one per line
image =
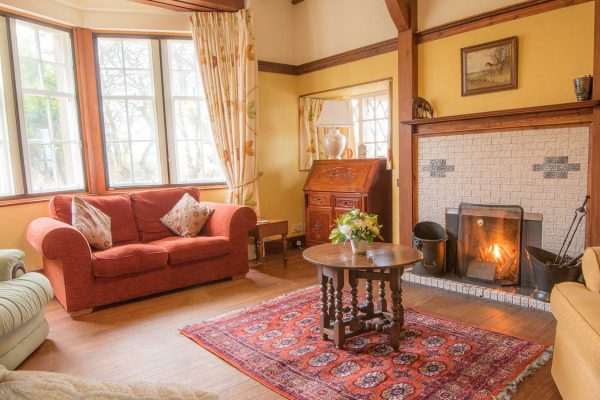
column 549, row 268
column 577, row 218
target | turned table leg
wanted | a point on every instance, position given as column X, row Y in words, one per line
column 354, row 320
column 330, row 299
column 324, row 320
column 339, row 329
column 397, row 308
column 369, row 309
column 382, row 300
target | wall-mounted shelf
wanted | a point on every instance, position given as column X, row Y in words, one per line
column 576, row 113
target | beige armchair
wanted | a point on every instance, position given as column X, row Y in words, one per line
column 23, row 297
column 576, row 362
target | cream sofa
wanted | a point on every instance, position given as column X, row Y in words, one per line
column 23, row 297
column 576, row 362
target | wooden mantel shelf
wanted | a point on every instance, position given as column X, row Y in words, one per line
column 576, row 113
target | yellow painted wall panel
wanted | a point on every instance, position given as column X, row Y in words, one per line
column 280, row 186
column 554, row 48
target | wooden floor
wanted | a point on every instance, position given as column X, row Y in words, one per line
column 139, row 340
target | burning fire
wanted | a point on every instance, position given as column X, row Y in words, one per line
column 497, row 254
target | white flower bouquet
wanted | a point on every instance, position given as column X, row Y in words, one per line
column 357, row 227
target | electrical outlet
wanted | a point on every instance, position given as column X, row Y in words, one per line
column 297, row 228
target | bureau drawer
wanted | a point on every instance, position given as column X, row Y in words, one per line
column 319, row 199
column 348, row 202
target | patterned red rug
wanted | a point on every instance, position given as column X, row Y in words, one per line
column 278, row 344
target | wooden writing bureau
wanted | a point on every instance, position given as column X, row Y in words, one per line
column 334, row 187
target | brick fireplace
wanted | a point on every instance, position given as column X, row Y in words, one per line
column 544, row 171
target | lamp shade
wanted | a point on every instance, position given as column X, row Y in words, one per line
column 335, row 113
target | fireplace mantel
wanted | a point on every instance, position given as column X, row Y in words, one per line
column 566, row 114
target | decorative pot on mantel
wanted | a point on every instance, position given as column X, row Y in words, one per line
column 583, row 87
column 360, row 247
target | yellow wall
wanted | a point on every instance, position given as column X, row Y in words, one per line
column 366, row 70
column 280, row 186
column 554, row 48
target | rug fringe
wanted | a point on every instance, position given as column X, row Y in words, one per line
column 511, row 387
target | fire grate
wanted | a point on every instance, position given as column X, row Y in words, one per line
column 489, row 243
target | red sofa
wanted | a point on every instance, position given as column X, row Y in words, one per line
column 146, row 257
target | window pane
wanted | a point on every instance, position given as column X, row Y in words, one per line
column 51, row 134
column 129, row 112
column 195, row 153
column 7, row 187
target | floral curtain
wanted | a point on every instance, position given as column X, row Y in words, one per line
column 311, row 137
column 229, row 70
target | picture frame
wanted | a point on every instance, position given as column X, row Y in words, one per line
column 489, row 67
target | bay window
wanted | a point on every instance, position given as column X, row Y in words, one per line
column 155, row 120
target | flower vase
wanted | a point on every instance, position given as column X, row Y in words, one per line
column 359, row 247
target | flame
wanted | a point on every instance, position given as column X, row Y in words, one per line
column 496, row 252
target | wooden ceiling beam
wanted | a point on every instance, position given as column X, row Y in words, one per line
column 400, row 13
column 196, row 5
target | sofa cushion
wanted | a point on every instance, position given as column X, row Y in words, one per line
column 128, row 259
column 92, row 223
column 21, row 299
column 150, row 206
column 117, row 207
column 576, row 307
column 591, row 268
column 187, row 249
column 187, row 217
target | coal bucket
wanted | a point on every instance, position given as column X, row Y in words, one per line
column 547, row 274
column 430, row 238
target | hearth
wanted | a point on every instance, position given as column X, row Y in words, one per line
column 489, row 243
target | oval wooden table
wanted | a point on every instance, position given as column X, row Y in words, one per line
column 384, row 262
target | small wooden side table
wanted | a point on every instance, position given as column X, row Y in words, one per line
column 271, row 227
column 384, row 262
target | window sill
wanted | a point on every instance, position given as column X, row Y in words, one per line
column 32, row 199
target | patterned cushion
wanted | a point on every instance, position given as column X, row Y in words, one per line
column 92, row 223
column 151, row 205
column 187, row 218
column 53, row 386
column 21, row 299
column 117, row 206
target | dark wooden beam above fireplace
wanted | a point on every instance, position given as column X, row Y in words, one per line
column 576, row 113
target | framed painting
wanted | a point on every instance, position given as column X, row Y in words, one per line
column 489, row 67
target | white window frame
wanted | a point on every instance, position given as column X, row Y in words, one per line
column 359, row 134
column 73, row 97
column 164, row 112
column 8, row 115
column 158, row 111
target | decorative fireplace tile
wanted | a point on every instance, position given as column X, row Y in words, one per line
column 556, row 167
column 438, row 168
column 478, row 291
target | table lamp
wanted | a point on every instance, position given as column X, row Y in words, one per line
column 335, row 114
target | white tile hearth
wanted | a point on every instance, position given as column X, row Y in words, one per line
column 478, row 291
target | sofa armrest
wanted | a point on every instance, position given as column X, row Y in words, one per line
column 11, row 264
column 228, row 219
column 67, row 261
column 56, row 240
